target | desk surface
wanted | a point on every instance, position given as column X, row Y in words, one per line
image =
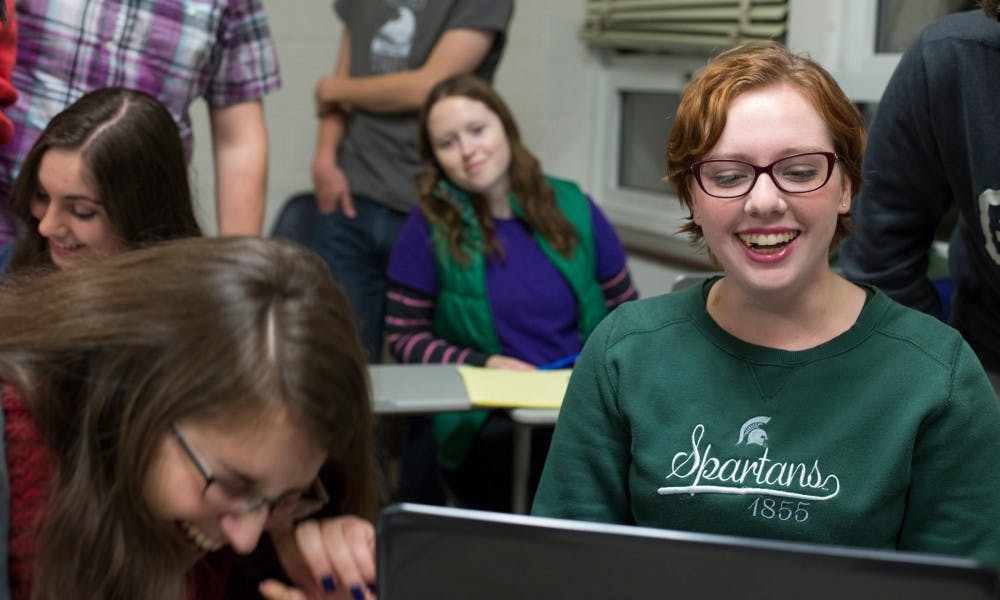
column 428, row 389
column 415, row 389
column 423, row 389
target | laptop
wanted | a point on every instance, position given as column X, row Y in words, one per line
column 431, row 552
column 417, row 389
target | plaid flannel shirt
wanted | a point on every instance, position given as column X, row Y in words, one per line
column 175, row 50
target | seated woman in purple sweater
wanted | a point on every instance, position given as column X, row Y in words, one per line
column 499, row 266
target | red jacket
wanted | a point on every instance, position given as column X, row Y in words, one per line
column 8, row 51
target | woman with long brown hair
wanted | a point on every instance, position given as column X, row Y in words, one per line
column 107, row 174
column 499, row 266
column 162, row 408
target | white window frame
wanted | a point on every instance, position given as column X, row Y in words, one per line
column 840, row 35
column 645, row 212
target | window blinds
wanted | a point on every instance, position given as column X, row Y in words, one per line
column 683, row 25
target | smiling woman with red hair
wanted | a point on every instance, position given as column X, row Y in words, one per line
column 778, row 400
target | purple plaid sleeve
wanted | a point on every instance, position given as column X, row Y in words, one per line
column 176, row 50
column 247, row 68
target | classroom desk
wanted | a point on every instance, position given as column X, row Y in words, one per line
column 427, row 389
column 524, row 419
column 414, row 389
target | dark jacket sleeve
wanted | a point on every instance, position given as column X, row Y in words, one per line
column 905, row 194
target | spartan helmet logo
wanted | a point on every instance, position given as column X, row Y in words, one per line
column 752, row 432
column 989, row 220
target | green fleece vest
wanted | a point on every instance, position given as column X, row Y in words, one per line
column 463, row 316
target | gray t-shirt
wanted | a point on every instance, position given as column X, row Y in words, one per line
column 379, row 152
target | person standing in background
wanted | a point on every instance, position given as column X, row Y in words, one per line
column 933, row 148
column 176, row 51
column 392, row 52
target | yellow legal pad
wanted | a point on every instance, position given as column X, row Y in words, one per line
column 515, row 389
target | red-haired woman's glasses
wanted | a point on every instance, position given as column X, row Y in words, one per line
column 796, row 174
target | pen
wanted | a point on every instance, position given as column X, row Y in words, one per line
column 559, row 364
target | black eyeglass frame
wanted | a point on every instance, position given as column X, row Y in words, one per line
column 831, row 160
column 253, row 503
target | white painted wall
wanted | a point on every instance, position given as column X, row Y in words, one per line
column 547, row 76
column 551, row 81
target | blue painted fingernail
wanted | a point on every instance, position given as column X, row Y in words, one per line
column 373, row 588
column 328, row 586
column 356, row 592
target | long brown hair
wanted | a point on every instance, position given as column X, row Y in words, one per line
column 133, row 153
column 702, row 112
column 109, row 355
column 527, row 182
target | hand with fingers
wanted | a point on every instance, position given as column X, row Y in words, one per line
column 332, row 558
column 499, row 361
column 326, row 94
column 333, row 190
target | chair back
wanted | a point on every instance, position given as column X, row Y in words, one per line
column 297, row 220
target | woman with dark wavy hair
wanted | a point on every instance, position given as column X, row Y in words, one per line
column 164, row 408
column 500, row 266
column 107, row 174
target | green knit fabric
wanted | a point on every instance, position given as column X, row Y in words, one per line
column 462, row 313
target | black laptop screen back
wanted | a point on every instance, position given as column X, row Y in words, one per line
column 434, row 552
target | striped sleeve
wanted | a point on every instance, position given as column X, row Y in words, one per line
column 618, row 288
column 409, row 316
